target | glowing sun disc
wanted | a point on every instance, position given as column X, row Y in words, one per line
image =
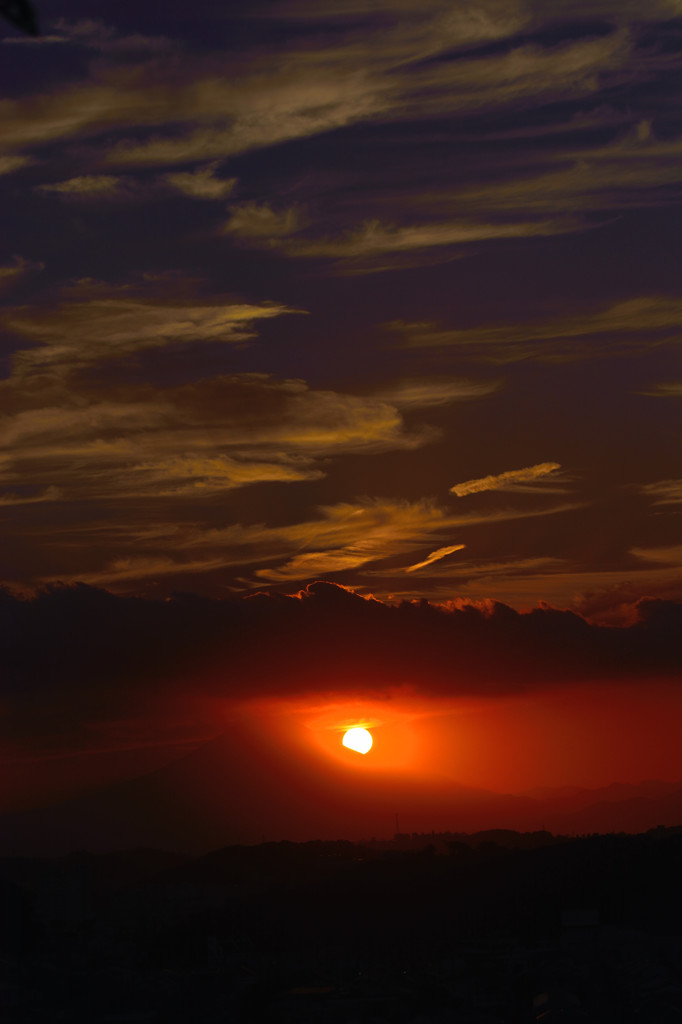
column 358, row 739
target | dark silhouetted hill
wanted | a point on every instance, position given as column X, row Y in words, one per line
column 583, row 928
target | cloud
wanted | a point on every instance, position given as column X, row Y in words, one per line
column 607, row 596
column 436, row 556
column 192, row 440
column 491, row 19
column 670, row 555
column 609, row 593
column 375, row 239
column 664, row 492
column 672, row 389
column 9, row 164
column 628, row 172
column 433, row 25
column 141, row 106
column 520, row 582
column 424, row 392
column 202, row 183
column 507, row 481
column 344, row 536
column 41, row 40
column 129, row 568
column 523, row 74
column 87, row 185
column 17, row 268
column 366, row 71
column 197, row 475
column 315, row 563
column 640, row 322
column 380, row 531
column 483, row 574
column 348, row 535
column 49, row 494
column 402, row 75
column 76, row 419
column 259, row 222
column 76, row 334
column 95, row 35
column 259, row 111
column 636, row 171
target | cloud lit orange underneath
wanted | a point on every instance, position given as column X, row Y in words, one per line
column 358, row 739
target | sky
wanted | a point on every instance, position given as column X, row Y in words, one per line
column 384, row 294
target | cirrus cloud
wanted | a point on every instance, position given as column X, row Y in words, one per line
column 510, row 480
column 76, row 334
column 85, row 185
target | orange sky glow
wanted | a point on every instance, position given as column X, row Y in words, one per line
column 584, row 735
column 340, row 385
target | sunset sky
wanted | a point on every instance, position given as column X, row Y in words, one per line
column 385, row 294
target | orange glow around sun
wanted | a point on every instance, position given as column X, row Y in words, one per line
column 386, row 726
column 585, row 735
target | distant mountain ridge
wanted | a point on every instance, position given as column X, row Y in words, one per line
column 575, row 799
column 226, row 793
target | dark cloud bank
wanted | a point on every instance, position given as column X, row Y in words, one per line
column 83, row 647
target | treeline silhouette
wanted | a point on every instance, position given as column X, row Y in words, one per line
column 487, row 927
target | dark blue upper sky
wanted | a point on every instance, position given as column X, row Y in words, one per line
column 386, row 294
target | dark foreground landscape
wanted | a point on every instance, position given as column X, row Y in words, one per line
column 488, row 928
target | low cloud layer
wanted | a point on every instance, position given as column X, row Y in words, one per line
column 89, row 662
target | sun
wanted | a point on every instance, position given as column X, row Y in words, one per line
column 358, row 739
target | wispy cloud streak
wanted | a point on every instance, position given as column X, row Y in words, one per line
column 633, row 323
column 436, row 556
column 506, row 481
